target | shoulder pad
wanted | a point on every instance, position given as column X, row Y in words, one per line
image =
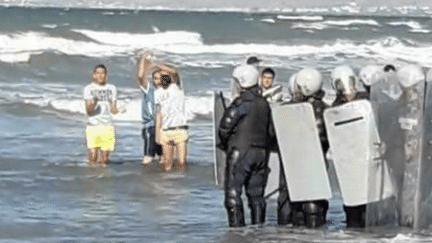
column 237, row 102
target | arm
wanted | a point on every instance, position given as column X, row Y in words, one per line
column 171, row 70
column 144, row 65
column 113, row 107
column 113, row 103
column 90, row 101
column 90, row 105
column 166, row 67
column 235, row 112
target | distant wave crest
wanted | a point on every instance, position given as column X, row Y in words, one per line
column 20, row 47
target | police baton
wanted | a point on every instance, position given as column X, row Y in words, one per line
column 223, row 100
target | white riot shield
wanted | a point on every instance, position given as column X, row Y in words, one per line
column 352, row 133
column 387, row 102
column 220, row 156
column 272, row 187
column 424, row 204
column 301, row 152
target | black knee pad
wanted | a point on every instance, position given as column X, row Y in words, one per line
column 312, row 208
column 232, row 198
column 314, row 214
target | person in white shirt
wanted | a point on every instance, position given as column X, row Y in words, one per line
column 148, row 88
column 100, row 102
column 272, row 93
column 171, row 126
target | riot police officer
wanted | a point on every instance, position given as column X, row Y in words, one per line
column 246, row 132
column 305, row 86
column 343, row 81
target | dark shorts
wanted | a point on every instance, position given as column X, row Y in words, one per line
column 150, row 146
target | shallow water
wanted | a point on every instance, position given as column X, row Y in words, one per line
column 128, row 202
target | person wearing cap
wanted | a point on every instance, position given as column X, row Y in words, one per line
column 246, row 132
column 254, row 61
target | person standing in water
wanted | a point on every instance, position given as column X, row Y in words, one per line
column 100, row 103
column 246, row 132
column 171, row 124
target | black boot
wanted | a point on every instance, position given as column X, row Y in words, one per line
column 284, row 213
column 355, row 216
column 236, row 216
column 298, row 218
column 258, row 211
column 297, row 214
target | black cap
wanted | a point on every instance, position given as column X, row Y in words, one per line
column 252, row 60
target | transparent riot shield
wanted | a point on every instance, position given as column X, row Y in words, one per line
column 424, row 205
column 301, row 152
column 219, row 155
column 352, row 135
column 386, row 98
column 411, row 122
column 399, row 111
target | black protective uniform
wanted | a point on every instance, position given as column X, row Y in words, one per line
column 246, row 132
column 313, row 213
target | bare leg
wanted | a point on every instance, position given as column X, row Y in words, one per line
column 93, row 156
column 181, row 155
column 104, row 157
column 167, row 156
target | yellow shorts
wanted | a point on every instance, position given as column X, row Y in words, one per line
column 175, row 136
column 101, row 136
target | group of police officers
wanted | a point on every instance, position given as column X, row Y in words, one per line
column 247, row 135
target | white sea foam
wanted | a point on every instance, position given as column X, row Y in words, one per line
column 268, row 20
column 49, row 26
column 411, row 24
column 19, row 47
column 422, row 31
column 278, row 6
column 349, row 22
column 301, row 18
column 155, row 29
column 315, row 26
column 53, row 97
column 311, row 10
column 144, row 40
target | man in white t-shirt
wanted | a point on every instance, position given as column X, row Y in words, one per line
column 272, row 93
column 171, row 126
column 148, row 88
column 100, row 102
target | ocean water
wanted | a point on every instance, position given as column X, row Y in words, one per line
column 47, row 192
